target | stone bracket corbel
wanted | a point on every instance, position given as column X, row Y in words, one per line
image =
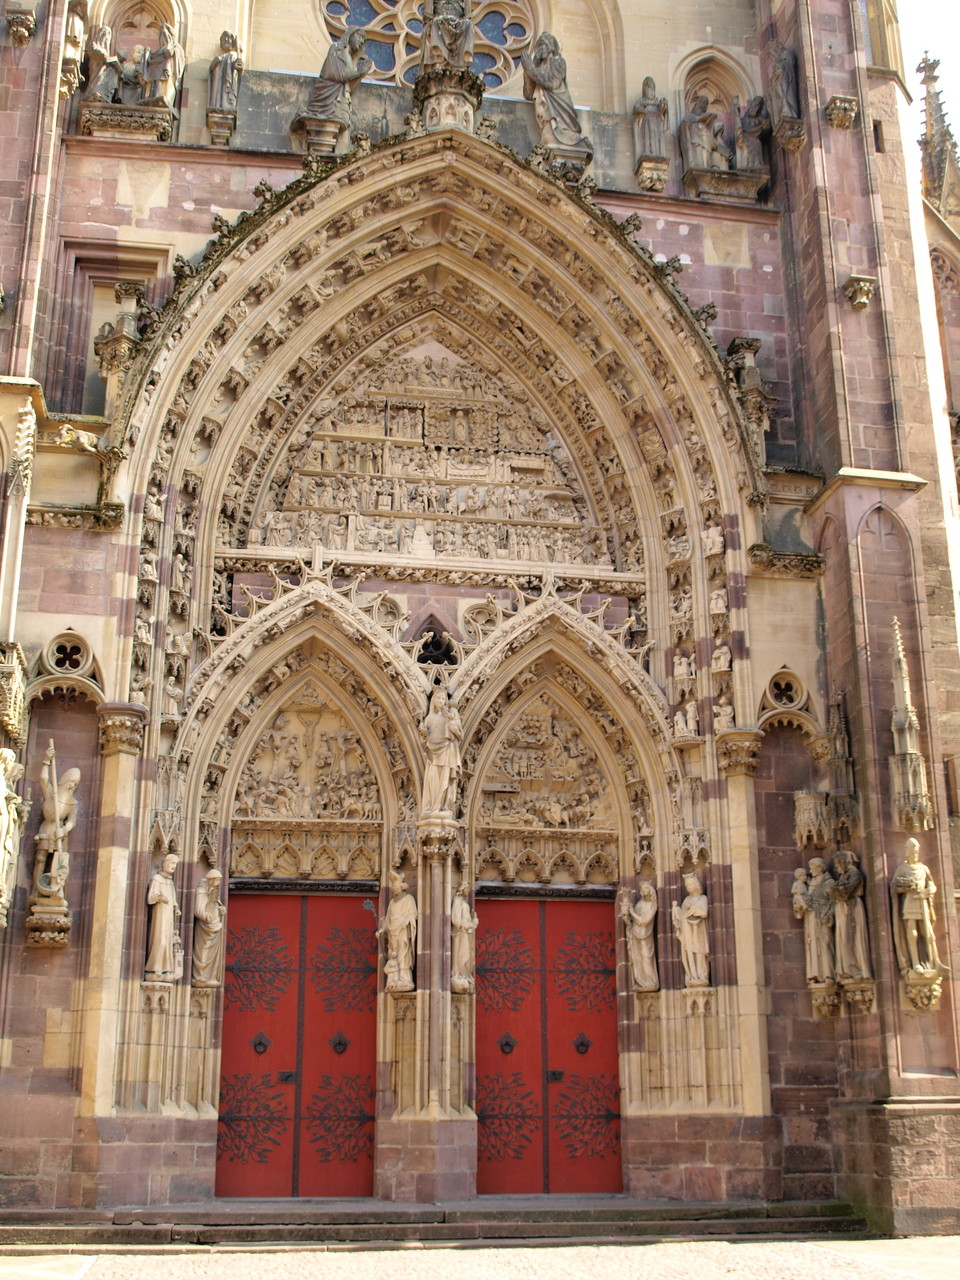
column 21, row 21
column 859, row 290
column 841, row 111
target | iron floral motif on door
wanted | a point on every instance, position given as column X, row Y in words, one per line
column 342, row 970
column 582, row 971
column 505, row 969
column 252, row 1118
column 587, row 1113
column 507, row 1115
column 258, row 970
column 340, row 1118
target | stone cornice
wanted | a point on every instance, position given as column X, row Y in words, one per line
column 867, row 479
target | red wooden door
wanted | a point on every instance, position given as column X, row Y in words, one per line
column 299, row 1047
column 548, row 1095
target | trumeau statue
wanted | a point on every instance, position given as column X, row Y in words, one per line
column 208, row 918
column 853, row 952
column 545, row 85
column 912, row 892
column 343, row 68
column 225, row 72
column 463, row 928
column 399, row 927
column 162, row 70
column 11, row 826
column 650, row 115
column 164, row 948
column 443, row 733
column 448, row 34
column 690, row 927
column 814, row 904
column 60, row 811
column 639, row 921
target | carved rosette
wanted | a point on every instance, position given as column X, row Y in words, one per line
column 121, row 729
column 842, row 111
column 738, row 753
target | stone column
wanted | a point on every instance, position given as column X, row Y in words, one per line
column 121, row 742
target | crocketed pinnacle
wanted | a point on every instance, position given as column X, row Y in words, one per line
column 938, row 145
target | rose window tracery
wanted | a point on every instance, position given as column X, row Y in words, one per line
column 504, row 29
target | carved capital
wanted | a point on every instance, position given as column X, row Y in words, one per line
column 858, row 291
column 121, row 728
column 842, row 111
column 859, row 994
column 652, row 172
column 48, row 924
column 826, row 999
column 738, row 752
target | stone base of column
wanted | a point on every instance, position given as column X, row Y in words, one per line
column 421, row 1161
column 898, row 1164
column 448, row 98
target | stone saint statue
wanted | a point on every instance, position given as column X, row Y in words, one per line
column 164, row 949
column 208, row 917
column 103, row 74
column 545, row 85
column 11, row 826
column 690, row 926
column 443, row 731
column 463, row 928
column 912, row 892
column 343, row 68
column 639, row 922
column 60, row 811
column 447, row 34
column 784, row 98
column 813, row 903
column 162, row 70
column 752, row 126
column 225, row 72
column 853, row 952
column 696, row 134
column 650, row 114
column 399, row 927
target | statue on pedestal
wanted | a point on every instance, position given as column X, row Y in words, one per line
column 164, row 948
column 447, row 34
column 443, row 733
column 399, row 927
column 813, row 903
column 853, row 951
column 162, row 70
column 639, row 921
column 912, row 891
column 545, row 85
column 225, row 72
column 60, row 811
column 696, row 134
column 649, row 115
column 208, row 919
column 463, row 928
column 103, row 67
column 690, row 927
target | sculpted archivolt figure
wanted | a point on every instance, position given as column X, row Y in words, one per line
column 443, row 733
column 545, row 85
column 447, row 34
column 60, row 811
column 399, row 927
column 690, row 927
column 912, row 891
column 639, row 919
column 463, row 928
column 164, row 948
column 208, row 918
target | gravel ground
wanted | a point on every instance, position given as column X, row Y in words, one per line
column 926, row 1259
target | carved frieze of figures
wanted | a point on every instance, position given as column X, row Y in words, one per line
column 398, row 928
column 649, row 124
column 463, row 928
column 328, row 114
column 913, row 898
column 223, row 89
column 164, row 948
column 784, row 96
column 545, row 85
column 132, row 91
column 690, row 917
column 208, row 936
column 639, row 918
column 443, row 732
column 48, row 921
column 12, row 815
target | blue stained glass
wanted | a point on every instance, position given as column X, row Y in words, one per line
column 515, row 31
column 361, row 12
column 409, row 48
column 381, row 55
column 336, row 10
column 483, row 62
column 410, row 74
column 491, row 25
column 416, row 26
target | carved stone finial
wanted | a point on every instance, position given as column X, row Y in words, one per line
column 842, row 111
column 858, row 291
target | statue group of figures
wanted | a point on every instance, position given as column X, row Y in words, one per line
column 830, row 904
column 704, row 143
column 164, row 945
column 138, row 77
column 398, row 931
column 689, row 917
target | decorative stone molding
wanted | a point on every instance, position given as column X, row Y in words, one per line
column 447, row 98
column 113, row 120
column 48, row 927
column 842, row 111
column 106, row 516
column 945, row 272
column 785, row 564
column 733, row 186
column 858, row 291
column 922, row 991
column 221, row 125
column 738, row 752
column 21, row 22
column 121, row 728
column 13, row 682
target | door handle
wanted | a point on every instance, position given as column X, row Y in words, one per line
column 554, row 1077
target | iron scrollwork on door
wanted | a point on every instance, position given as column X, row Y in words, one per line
column 343, row 968
column 583, row 971
column 507, row 1117
column 252, row 1118
column 587, row 1114
column 505, row 969
column 340, row 1118
column 258, row 970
